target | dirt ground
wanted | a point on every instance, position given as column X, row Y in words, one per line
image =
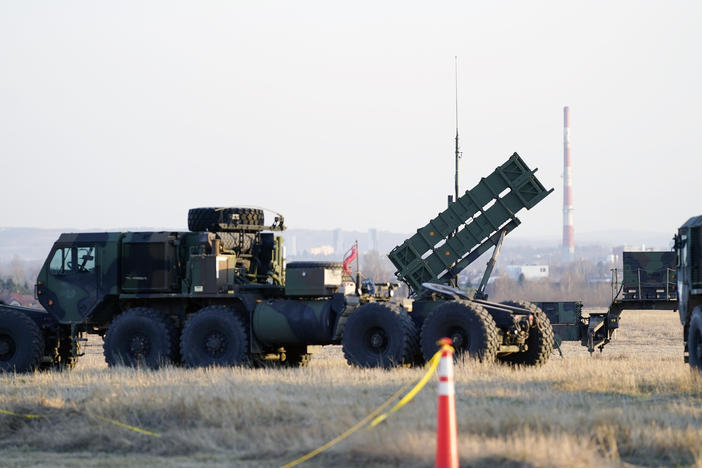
column 635, row 404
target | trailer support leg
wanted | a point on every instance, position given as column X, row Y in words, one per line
column 480, row 293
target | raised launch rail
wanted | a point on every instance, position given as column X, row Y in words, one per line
column 472, row 224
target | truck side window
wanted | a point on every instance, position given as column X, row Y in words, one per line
column 61, row 262
column 86, row 259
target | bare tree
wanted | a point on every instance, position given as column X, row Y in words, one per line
column 17, row 270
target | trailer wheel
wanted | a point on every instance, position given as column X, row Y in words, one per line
column 379, row 335
column 470, row 327
column 215, row 336
column 21, row 342
column 222, row 219
column 540, row 340
column 694, row 340
column 138, row 337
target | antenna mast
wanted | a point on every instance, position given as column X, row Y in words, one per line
column 453, row 281
column 458, row 152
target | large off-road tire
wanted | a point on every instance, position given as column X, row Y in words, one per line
column 222, row 219
column 21, row 342
column 470, row 327
column 540, row 340
column 379, row 335
column 215, row 336
column 139, row 337
column 694, row 340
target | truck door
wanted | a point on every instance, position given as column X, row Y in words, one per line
column 71, row 290
column 682, row 248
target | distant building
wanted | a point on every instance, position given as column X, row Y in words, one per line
column 529, row 272
column 23, row 300
column 323, row 250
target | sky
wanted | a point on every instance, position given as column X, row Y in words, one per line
column 342, row 114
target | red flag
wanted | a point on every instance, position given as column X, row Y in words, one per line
column 353, row 253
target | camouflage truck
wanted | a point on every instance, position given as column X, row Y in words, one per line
column 688, row 247
column 222, row 294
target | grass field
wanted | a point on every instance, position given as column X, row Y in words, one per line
column 634, row 404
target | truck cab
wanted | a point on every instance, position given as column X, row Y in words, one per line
column 688, row 248
column 78, row 275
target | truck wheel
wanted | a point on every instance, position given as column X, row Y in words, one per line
column 694, row 340
column 540, row 340
column 215, row 336
column 21, row 342
column 222, row 219
column 379, row 335
column 470, row 327
column 138, row 337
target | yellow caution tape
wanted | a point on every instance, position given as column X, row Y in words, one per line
column 127, row 426
column 108, row 420
column 433, row 364
column 431, row 367
column 28, row 416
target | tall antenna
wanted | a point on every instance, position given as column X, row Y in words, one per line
column 454, row 279
column 458, row 152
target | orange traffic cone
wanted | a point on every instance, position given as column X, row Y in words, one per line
column 446, row 430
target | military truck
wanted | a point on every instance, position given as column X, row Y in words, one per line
column 222, row 294
column 688, row 247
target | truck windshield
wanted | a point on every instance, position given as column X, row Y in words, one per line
column 62, row 261
column 73, row 259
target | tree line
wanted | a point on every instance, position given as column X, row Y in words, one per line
column 18, row 276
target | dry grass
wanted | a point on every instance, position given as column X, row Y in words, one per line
column 634, row 404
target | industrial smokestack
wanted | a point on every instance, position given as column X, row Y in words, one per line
column 568, row 230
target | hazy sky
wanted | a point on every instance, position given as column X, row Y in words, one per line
column 341, row 114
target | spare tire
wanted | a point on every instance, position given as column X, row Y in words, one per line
column 223, row 219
